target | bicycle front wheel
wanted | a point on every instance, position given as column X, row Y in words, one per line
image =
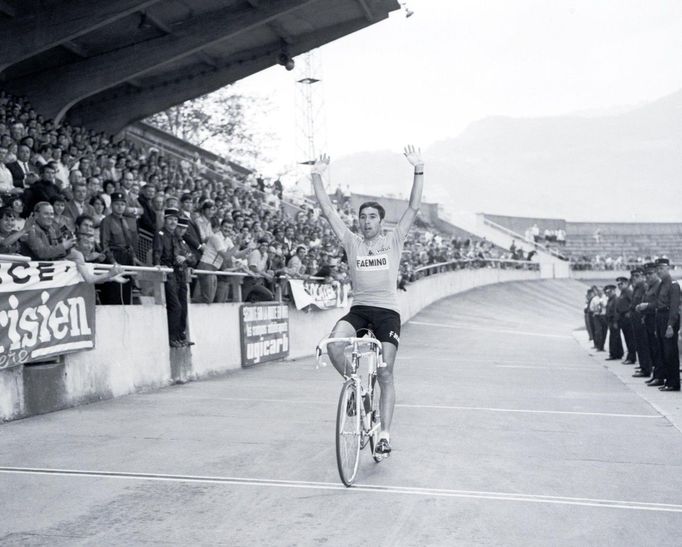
column 348, row 432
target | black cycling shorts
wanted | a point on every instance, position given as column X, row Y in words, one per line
column 384, row 323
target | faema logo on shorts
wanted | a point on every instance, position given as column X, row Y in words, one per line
column 394, row 335
column 371, row 263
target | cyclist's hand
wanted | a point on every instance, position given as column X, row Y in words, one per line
column 414, row 156
column 320, row 165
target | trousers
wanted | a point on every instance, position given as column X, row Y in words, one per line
column 615, row 343
column 176, row 307
column 641, row 343
column 599, row 329
column 654, row 347
column 625, row 325
column 670, row 353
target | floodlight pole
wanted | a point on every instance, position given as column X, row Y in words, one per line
column 310, row 126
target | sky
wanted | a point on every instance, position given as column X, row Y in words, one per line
column 425, row 78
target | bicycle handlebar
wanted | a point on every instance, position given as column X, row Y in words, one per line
column 322, row 345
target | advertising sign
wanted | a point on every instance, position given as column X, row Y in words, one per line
column 321, row 295
column 264, row 332
column 46, row 309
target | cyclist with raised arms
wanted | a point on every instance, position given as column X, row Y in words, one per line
column 373, row 263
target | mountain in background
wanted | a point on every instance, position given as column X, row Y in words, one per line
column 625, row 166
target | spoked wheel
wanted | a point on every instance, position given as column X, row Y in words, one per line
column 348, row 433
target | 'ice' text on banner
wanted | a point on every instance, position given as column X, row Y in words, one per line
column 46, row 309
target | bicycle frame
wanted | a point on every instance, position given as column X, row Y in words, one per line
column 376, row 353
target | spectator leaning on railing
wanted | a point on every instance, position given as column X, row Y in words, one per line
column 219, row 248
column 44, row 242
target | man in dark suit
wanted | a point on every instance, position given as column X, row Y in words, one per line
column 118, row 244
column 43, row 190
column 668, row 325
column 648, row 309
column 21, row 167
column 78, row 205
column 623, row 301
column 638, row 327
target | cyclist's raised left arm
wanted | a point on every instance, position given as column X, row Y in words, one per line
column 414, row 156
column 328, row 210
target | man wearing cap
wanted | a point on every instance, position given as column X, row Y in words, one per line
column 623, row 322
column 117, row 243
column 648, row 308
column 638, row 327
column 615, row 343
column 167, row 251
column 668, row 325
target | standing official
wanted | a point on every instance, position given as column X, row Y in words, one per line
column 668, row 325
column 167, row 251
column 638, row 327
column 623, row 323
column 648, row 309
column 615, row 343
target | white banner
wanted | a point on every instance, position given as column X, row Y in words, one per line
column 321, row 295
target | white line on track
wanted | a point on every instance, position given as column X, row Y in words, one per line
column 365, row 488
column 444, row 407
column 486, row 329
column 546, row 367
column 498, row 362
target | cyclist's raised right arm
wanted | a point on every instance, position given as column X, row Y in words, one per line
column 337, row 225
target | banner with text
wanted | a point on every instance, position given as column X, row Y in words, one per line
column 46, row 309
column 321, row 295
column 264, row 332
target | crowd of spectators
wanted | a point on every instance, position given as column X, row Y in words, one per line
column 64, row 187
column 546, row 236
column 607, row 263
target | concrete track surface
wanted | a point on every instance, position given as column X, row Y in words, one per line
column 507, row 432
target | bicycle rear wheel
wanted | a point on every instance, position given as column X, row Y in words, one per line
column 348, row 432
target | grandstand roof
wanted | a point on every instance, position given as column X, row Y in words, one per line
column 106, row 63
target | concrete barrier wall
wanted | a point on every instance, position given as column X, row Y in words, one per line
column 132, row 352
column 215, row 328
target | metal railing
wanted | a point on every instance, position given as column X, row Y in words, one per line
column 156, row 275
column 476, row 263
column 611, row 267
column 14, row 258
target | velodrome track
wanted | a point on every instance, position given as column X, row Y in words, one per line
column 507, row 432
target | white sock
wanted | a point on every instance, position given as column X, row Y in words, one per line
column 385, row 435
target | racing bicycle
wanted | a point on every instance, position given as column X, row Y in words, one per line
column 357, row 417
